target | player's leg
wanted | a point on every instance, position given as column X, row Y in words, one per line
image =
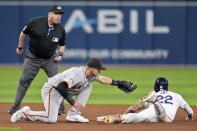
column 51, row 69
column 30, row 70
column 132, row 118
column 120, row 117
column 82, row 98
column 146, row 115
column 51, row 99
column 143, row 116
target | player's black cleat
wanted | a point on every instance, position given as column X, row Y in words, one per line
column 61, row 112
column 12, row 111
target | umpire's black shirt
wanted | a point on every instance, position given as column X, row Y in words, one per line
column 43, row 44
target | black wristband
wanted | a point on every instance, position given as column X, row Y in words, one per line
column 115, row 82
column 60, row 54
column 20, row 48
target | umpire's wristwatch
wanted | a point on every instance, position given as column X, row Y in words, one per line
column 20, row 48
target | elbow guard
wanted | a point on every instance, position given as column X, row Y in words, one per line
column 62, row 88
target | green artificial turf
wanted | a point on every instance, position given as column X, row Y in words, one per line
column 181, row 80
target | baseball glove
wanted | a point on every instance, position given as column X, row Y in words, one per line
column 126, row 86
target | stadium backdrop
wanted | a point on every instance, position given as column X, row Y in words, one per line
column 119, row 32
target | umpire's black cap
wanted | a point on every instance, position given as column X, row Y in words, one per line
column 95, row 63
column 56, row 9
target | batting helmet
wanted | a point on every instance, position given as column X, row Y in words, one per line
column 161, row 83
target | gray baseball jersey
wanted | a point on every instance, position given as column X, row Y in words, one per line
column 77, row 82
column 75, row 77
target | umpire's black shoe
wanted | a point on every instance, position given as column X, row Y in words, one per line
column 61, row 112
column 12, row 111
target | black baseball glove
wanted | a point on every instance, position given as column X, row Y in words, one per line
column 126, row 86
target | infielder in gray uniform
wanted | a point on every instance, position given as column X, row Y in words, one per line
column 46, row 35
column 75, row 81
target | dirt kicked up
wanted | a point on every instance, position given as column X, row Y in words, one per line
column 91, row 112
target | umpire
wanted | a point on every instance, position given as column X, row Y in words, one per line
column 46, row 35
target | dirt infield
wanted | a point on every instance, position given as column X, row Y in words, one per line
column 91, row 112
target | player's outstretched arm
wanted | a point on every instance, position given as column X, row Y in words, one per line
column 123, row 85
column 105, row 80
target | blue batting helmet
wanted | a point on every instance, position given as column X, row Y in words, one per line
column 161, row 83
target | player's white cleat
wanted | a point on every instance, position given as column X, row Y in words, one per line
column 151, row 97
column 19, row 114
column 76, row 118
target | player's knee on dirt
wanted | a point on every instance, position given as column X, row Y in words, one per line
column 51, row 120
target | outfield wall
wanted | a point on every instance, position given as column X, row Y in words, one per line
column 119, row 32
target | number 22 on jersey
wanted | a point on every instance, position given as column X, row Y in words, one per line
column 165, row 99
